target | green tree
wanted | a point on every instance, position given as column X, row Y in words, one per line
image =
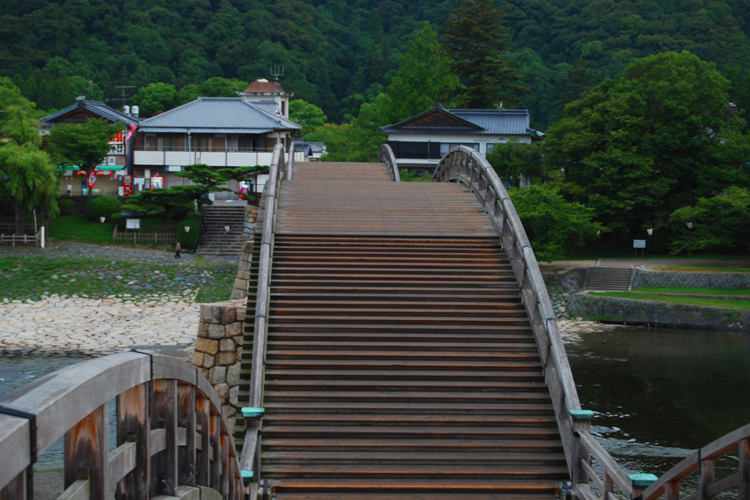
column 477, row 46
column 653, row 140
column 179, row 200
column 423, row 78
column 308, row 115
column 155, row 98
column 552, row 224
column 512, row 159
column 27, row 177
column 719, row 223
column 83, row 145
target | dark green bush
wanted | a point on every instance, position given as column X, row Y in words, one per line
column 119, row 220
column 66, row 206
column 189, row 240
column 102, row 206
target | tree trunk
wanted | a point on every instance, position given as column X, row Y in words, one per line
column 20, row 216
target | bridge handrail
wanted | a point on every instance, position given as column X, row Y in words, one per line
column 465, row 165
column 164, row 405
column 386, row 156
column 250, row 460
column 703, row 461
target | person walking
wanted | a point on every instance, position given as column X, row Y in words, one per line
column 178, row 248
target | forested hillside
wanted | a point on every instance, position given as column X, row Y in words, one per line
column 338, row 54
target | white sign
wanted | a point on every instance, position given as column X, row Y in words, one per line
column 639, row 243
column 132, row 223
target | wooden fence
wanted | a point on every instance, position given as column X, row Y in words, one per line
column 172, row 437
column 15, row 238
column 139, row 237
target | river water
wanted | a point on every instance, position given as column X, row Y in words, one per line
column 660, row 394
column 657, row 394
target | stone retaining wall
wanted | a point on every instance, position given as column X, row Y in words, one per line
column 218, row 350
column 597, row 308
column 243, row 271
column 691, row 280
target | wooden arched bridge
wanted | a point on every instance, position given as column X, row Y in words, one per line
column 403, row 347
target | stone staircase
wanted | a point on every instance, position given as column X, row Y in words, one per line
column 216, row 240
column 608, row 279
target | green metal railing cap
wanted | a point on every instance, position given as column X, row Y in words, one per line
column 247, row 475
column 642, row 479
column 582, row 414
column 252, row 412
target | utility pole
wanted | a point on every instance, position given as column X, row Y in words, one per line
column 124, row 91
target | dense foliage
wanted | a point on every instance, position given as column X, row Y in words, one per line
column 653, row 140
column 102, row 206
column 27, row 176
column 332, row 50
column 553, row 225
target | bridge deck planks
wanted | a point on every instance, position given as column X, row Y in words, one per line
column 400, row 362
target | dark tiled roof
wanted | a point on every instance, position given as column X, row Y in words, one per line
column 96, row 108
column 228, row 114
column 439, row 120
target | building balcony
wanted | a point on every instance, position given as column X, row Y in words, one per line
column 210, row 158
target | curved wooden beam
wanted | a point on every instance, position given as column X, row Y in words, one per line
column 262, row 303
column 387, row 157
column 73, row 402
column 463, row 164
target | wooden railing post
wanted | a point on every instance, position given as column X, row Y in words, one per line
column 186, row 419
column 640, row 482
column 133, row 425
column 203, row 417
column 707, row 476
column 743, row 488
column 86, row 454
column 164, row 416
column 215, row 433
column 581, row 420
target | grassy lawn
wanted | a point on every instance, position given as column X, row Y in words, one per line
column 673, row 299
column 694, row 291
column 99, row 278
column 79, row 229
column 705, row 269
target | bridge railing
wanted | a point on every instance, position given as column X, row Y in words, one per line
column 172, row 437
column 250, row 461
column 703, row 462
column 387, row 157
column 464, row 165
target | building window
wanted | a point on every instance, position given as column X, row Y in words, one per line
column 447, row 146
column 417, row 150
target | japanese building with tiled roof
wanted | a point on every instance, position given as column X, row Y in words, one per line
column 420, row 141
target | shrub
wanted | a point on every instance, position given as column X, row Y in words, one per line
column 189, row 240
column 119, row 220
column 102, row 206
column 66, row 206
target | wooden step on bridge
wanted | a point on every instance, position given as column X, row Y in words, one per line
column 399, row 359
column 403, row 347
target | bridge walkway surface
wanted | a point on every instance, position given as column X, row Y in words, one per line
column 400, row 361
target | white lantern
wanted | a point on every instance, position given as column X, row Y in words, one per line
column 187, row 229
column 102, row 219
column 650, row 231
column 690, row 225
column 226, row 228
